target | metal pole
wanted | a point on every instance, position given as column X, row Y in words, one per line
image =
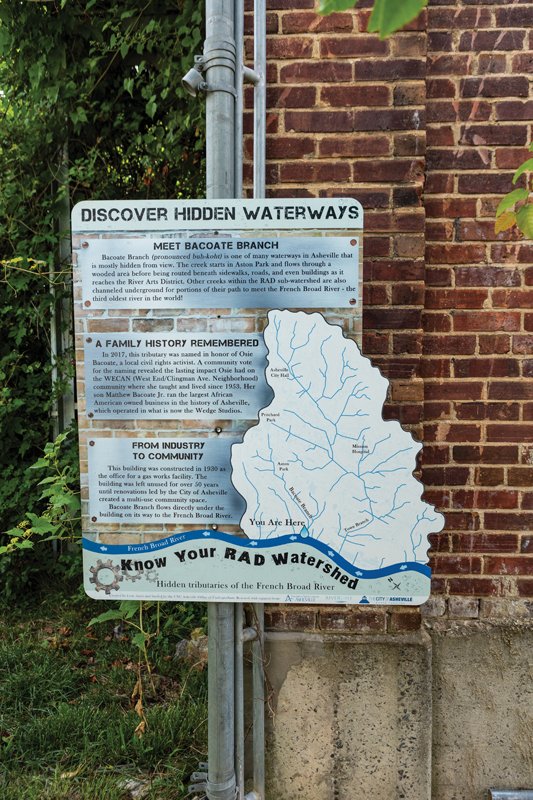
column 65, row 335
column 219, row 54
column 258, row 668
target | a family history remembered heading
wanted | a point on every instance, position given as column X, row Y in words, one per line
column 149, row 215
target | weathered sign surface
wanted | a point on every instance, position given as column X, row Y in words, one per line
column 232, row 440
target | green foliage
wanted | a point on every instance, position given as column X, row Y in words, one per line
column 90, row 108
column 521, row 214
column 60, row 519
column 387, row 16
column 68, row 718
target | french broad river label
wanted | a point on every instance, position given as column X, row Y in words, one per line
column 232, row 439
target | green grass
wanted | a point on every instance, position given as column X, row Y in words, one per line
column 67, row 718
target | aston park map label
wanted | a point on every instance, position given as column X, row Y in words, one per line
column 232, row 441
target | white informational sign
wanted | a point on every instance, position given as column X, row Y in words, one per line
column 232, row 438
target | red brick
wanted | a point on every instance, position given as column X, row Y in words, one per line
column 487, row 276
column 453, row 298
column 451, row 253
column 520, row 476
column 383, row 170
column 435, row 454
column 353, row 620
column 450, row 207
column 486, row 321
column 485, row 498
column 283, row 47
column 485, row 454
column 354, row 146
column 493, row 134
column 389, row 69
column 309, row 22
column 462, row 521
column 445, row 476
column 487, row 183
column 437, row 323
column 375, row 342
column 524, row 587
column 440, row 136
column 511, row 390
column 494, row 344
column 456, row 159
column 506, row 86
column 394, row 270
column 286, row 147
column 438, row 276
column 440, row 40
column 395, row 318
column 484, row 542
column 513, row 299
column 514, row 110
column 319, row 121
column 315, row 72
column 478, row 587
column 492, row 40
column 410, row 94
column 435, row 368
column 454, row 433
column 363, row 95
column 520, row 16
column 291, row 97
column 409, row 144
column 527, row 501
column 404, row 621
column 439, row 183
column 455, row 565
column 492, row 62
column 448, row 64
column 509, row 521
column 510, row 157
column 440, row 88
column 353, row 46
column 489, row 476
column 314, row 172
column 487, row 368
column 510, row 433
column 449, row 345
column 456, row 17
column 454, row 390
column 391, row 120
column 506, row 565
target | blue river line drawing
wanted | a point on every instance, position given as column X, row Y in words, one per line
column 322, row 462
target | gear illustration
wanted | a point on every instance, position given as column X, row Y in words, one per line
column 105, row 565
column 132, row 576
column 151, row 575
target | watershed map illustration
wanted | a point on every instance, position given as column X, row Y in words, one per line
column 322, row 469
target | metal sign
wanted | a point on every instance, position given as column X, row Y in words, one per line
column 232, row 441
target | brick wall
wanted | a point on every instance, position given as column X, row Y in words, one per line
column 425, row 129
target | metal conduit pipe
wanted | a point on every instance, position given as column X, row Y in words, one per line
column 258, row 667
column 510, row 794
column 219, row 59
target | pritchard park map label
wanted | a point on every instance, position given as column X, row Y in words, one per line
column 232, row 441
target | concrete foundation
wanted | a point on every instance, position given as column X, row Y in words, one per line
column 444, row 714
